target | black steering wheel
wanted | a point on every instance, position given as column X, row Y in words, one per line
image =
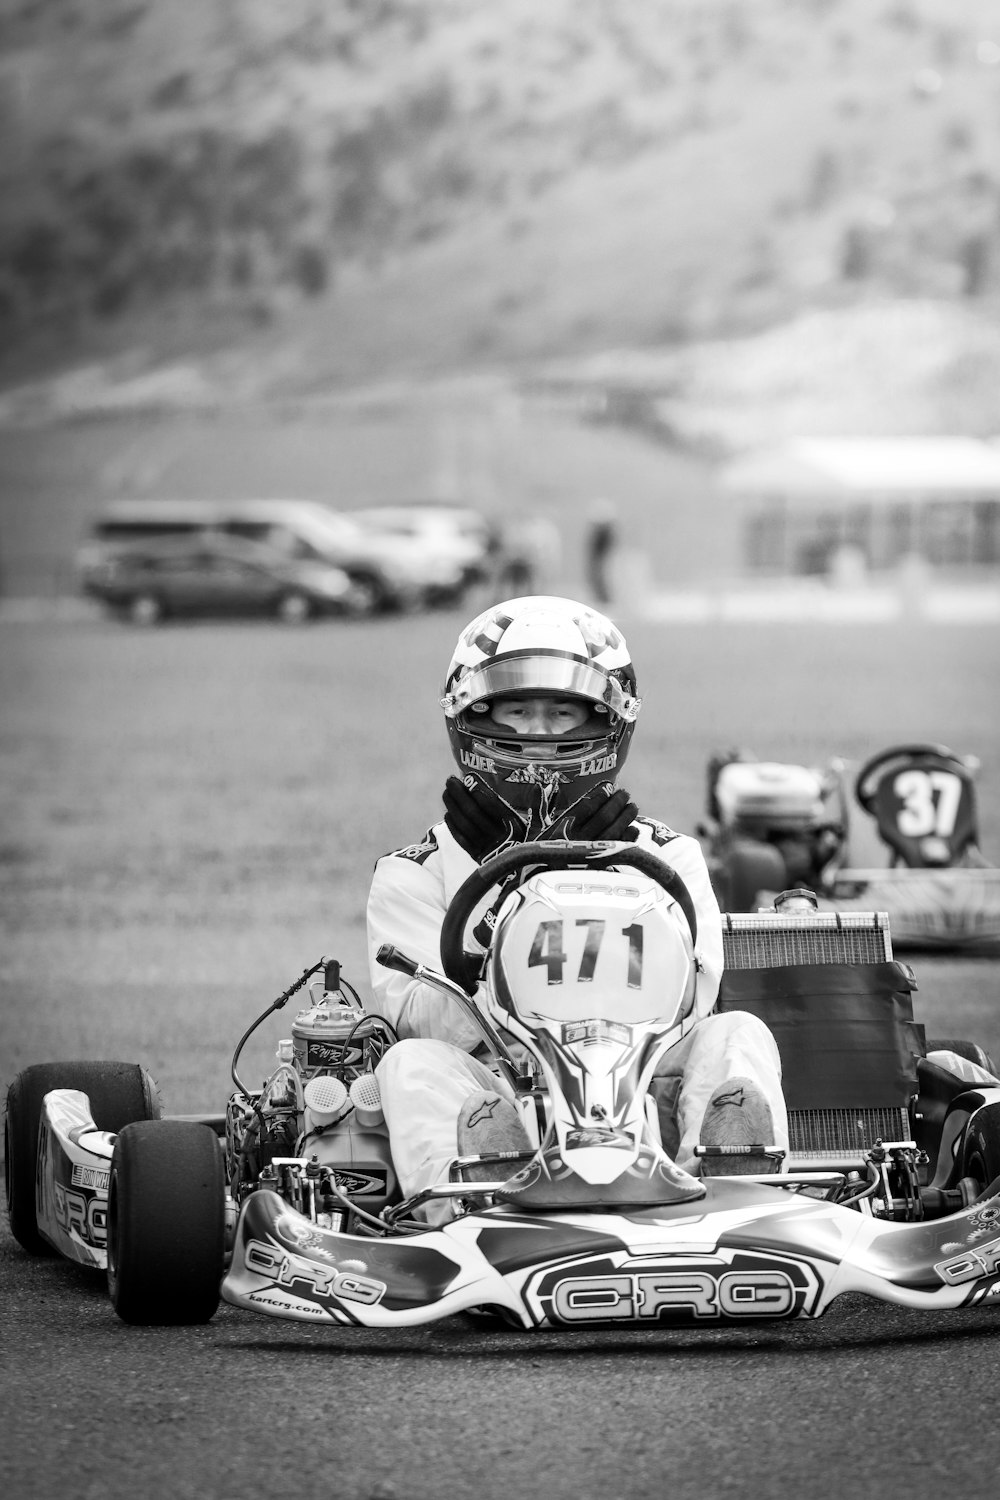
column 465, row 968
column 867, row 779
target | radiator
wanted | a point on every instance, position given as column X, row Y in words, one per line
column 768, row 940
column 830, row 1137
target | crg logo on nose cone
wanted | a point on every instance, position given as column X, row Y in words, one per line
column 678, row 1290
column 653, row 1295
column 984, row 1260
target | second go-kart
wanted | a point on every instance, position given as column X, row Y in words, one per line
column 771, row 826
column 287, row 1205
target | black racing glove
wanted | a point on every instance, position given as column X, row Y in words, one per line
column 478, row 820
column 603, row 813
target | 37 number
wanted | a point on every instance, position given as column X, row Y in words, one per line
column 548, row 950
column 930, row 802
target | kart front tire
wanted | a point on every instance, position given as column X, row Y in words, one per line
column 981, row 1151
column 166, row 1223
column 118, row 1092
column 747, row 868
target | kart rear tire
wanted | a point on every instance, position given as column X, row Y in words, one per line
column 971, row 1051
column 747, row 868
column 166, row 1223
column 981, row 1150
column 118, row 1092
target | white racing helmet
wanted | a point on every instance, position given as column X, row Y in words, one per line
column 535, row 647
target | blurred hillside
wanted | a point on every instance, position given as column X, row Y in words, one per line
column 380, row 189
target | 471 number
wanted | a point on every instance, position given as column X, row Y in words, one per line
column 548, row 950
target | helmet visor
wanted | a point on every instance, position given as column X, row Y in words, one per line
column 538, row 674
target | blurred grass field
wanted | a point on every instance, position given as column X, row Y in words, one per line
column 192, row 814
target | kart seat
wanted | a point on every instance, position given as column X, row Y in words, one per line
column 840, row 1011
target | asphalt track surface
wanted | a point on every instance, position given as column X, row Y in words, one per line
column 871, row 1400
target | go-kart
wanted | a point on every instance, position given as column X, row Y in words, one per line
column 772, row 826
column 288, row 1204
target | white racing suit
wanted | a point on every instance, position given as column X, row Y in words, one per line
column 428, row 1075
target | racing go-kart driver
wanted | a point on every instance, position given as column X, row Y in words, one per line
column 540, row 703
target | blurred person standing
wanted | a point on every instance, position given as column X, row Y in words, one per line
column 600, row 547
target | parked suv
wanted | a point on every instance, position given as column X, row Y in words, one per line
column 217, row 576
column 386, row 572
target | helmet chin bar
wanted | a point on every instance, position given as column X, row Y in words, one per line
column 539, row 788
column 539, row 793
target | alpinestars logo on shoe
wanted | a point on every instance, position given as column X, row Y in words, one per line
column 484, row 1112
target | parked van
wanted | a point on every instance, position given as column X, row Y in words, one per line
column 386, row 572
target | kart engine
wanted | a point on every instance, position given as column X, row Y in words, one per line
column 797, row 810
column 763, row 796
column 315, row 1132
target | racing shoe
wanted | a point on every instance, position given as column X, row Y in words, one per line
column 737, row 1129
column 487, row 1124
